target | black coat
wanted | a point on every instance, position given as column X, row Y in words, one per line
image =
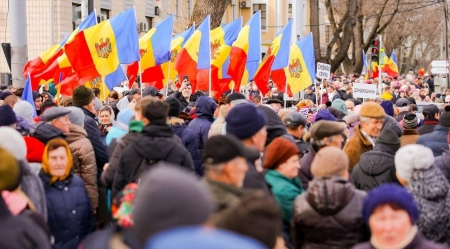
column 375, row 167
column 254, row 179
column 156, row 143
column 428, row 126
column 419, row 242
column 304, row 173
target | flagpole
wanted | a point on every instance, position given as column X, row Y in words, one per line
column 167, row 82
column 140, row 77
column 209, row 76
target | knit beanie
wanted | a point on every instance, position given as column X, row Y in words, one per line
column 325, row 115
column 12, row 141
column 389, row 193
column 24, row 109
column 410, row 121
column 388, row 107
column 412, row 157
column 444, row 119
column 340, row 105
column 388, row 138
column 175, row 106
column 9, row 171
column 7, row 116
column 244, row 121
column 321, row 166
column 76, row 115
column 278, row 152
column 82, row 96
column 125, row 116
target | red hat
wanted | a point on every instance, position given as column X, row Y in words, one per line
column 278, row 152
column 35, row 149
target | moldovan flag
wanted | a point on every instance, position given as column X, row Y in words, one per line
column 301, row 70
column 276, row 59
column 245, row 53
column 28, row 94
column 167, row 69
column 100, row 49
column 221, row 40
column 365, row 71
column 195, row 58
column 374, row 69
column 391, row 67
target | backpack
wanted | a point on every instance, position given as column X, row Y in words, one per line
column 147, row 164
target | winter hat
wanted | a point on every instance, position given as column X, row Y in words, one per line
column 47, row 104
column 175, row 106
column 321, row 166
column 76, row 115
column 412, row 100
column 390, row 193
column 334, row 112
column 169, row 186
column 388, row 107
column 340, row 105
column 12, row 141
column 202, row 238
column 5, row 94
column 97, row 104
column 388, row 138
column 82, row 96
column 444, row 120
column 150, row 91
column 412, row 157
column 9, row 171
column 244, row 121
column 324, row 128
column 234, row 96
column 402, row 102
column 325, row 115
column 24, row 109
column 278, row 152
column 36, row 95
column 7, row 116
column 410, row 121
column 372, row 110
column 125, row 116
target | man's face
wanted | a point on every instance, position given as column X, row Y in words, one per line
column 373, row 128
column 259, row 139
column 396, row 91
column 276, row 107
column 62, row 123
column 350, row 105
column 308, row 91
column 237, row 173
column 137, row 96
column 38, row 103
column 389, row 226
column 187, row 92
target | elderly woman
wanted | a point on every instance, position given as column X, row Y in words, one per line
column 282, row 161
column 391, row 213
column 70, row 215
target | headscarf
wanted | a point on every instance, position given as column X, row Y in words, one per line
column 46, row 165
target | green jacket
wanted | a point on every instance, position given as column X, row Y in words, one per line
column 224, row 195
column 285, row 191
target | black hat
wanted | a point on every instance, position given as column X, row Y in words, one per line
column 7, row 116
column 234, row 96
column 444, row 120
column 5, row 94
column 274, row 101
column 151, row 91
column 134, row 91
column 412, row 100
column 295, row 119
column 224, row 148
column 430, row 109
column 175, row 106
column 388, row 138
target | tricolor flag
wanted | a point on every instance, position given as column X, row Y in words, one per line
column 365, row 70
column 301, row 71
column 195, row 58
column 159, row 75
column 99, row 50
column 245, row 53
column 374, row 69
column 275, row 60
column 391, row 65
column 28, row 94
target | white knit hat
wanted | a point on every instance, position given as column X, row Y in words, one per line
column 412, row 157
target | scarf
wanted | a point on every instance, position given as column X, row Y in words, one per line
column 46, row 165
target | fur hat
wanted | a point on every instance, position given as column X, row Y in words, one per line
column 372, row 110
column 278, row 152
column 82, row 96
column 412, row 157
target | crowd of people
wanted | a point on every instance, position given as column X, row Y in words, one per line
column 178, row 169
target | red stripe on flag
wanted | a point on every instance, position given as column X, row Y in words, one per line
column 279, row 78
column 132, row 72
column 262, row 76
column 154, row 76
column 186, row 66
column 236, row 69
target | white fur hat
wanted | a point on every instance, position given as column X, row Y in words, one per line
column 13, row 142
column 412, row 157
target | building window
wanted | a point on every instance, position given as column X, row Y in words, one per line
column 105, row 12
column 328, row 34
column 289, row 11
column 262, row 7
column 75, row 15
column 149, row 21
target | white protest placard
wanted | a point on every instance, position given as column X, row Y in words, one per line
column 323, row 70
column 365, row 91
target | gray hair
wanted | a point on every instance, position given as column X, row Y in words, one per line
column 321, row 142
column 365, row 120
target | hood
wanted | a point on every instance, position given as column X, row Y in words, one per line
column 45, row 132
column 329, row 196
column 154, row 139
column 205, row 107
column 430, row 184
column 76, row 132
column 376, row 162
column 274, row 125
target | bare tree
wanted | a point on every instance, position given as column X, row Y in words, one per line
column 215, row 8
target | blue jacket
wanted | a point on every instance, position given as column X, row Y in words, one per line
column 205, row 107
column 436, row 141
column 189, row 140
column 115, row 132
column 69, row 210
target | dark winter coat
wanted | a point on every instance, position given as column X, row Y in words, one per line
column 304, row 173
column 70, row 215
column 189, row 141
column 436, row 141
column 375, row 168
column 45, row 132
column 32, row 186
column 443, row 163
column 156, row 143
column 95, row 136
column 204, row 109
column 20, row 232
column 400, row 115
column 428, row 126
column 254, row 179
column 432, row 194
column 274, row 126
column 184, row 103
column 329, row 215
column 224, row 195
column 419, row 242
column 311, row 97
column 112, row 238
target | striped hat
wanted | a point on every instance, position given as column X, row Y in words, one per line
column 410, row 121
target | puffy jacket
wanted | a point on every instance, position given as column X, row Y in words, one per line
column 156, row 143
column 32, row 186
column 116, row 131
column 95, row 136
column 436, row 141
column 45, row 132
column 443, row 163
column 304, row 173
column 205, row 108
column 329, row 215
column 70, row 215
column 84, row 160
column 189, row 141
column 375, row 167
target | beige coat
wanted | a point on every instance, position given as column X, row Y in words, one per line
column 84, row 160
column 410, row 136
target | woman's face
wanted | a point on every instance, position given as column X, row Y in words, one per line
column 58, row 161
column 402, row 94
column 187, row 92
column 105, row 117
column 290, row 167
column 38, row 103
column 389, row 226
